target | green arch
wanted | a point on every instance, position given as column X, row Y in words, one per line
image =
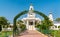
column 24, row 12
column 41, row 14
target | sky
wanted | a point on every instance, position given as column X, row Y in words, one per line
column 10, row 8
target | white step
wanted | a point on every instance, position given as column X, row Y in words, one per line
column 30, row 27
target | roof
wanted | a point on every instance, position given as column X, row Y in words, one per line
column 31, row 19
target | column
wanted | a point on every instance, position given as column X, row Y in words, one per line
column 33, row 24
column 57, row 27
column 27, row 25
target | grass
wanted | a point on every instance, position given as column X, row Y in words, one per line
column 4, row 33
column 55, row 33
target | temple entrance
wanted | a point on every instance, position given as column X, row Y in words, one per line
column 30, row 22
column 31, row 25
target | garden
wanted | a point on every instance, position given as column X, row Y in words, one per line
column 6, row 33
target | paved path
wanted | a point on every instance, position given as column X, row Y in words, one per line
column 31, row 33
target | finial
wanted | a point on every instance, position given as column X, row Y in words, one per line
column 50, row 12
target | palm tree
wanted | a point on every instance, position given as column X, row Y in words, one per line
column 3, row 22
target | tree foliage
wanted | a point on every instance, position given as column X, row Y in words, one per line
column 3, row 22
column 58, row 19
column 22, row 26
column 46, row 22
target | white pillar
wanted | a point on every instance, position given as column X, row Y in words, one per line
column 27, row 24
column 57, row 27
column 33, row 24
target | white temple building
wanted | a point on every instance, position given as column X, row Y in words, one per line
column 56, row 24
column 31, row 19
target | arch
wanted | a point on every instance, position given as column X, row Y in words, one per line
column 24, row 12
column 14, row 21
column 41, row 14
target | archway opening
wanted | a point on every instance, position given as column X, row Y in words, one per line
column 25, row 12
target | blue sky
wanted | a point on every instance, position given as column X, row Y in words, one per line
column 10, row 8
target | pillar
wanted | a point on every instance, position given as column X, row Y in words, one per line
column 27, row 24
column 57, row 27
column 33, row 24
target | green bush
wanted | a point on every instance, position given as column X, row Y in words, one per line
column 55, row 33
column 58, row 26
column 22, row 27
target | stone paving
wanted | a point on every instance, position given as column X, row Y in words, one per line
column 32, row 33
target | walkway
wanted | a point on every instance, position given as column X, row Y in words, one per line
column 32, row 33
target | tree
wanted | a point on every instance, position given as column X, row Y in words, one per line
column 44, row 27
column 19, row 22
column 58, row 19
column 22, row 26
column 3, row 22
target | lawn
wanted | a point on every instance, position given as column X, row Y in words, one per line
column 4, row 33
column 56, row 33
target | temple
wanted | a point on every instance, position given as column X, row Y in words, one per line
column 31, row 19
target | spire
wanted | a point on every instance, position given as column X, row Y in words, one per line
column 31, row 7
column 50, row 16
column 31, row 4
